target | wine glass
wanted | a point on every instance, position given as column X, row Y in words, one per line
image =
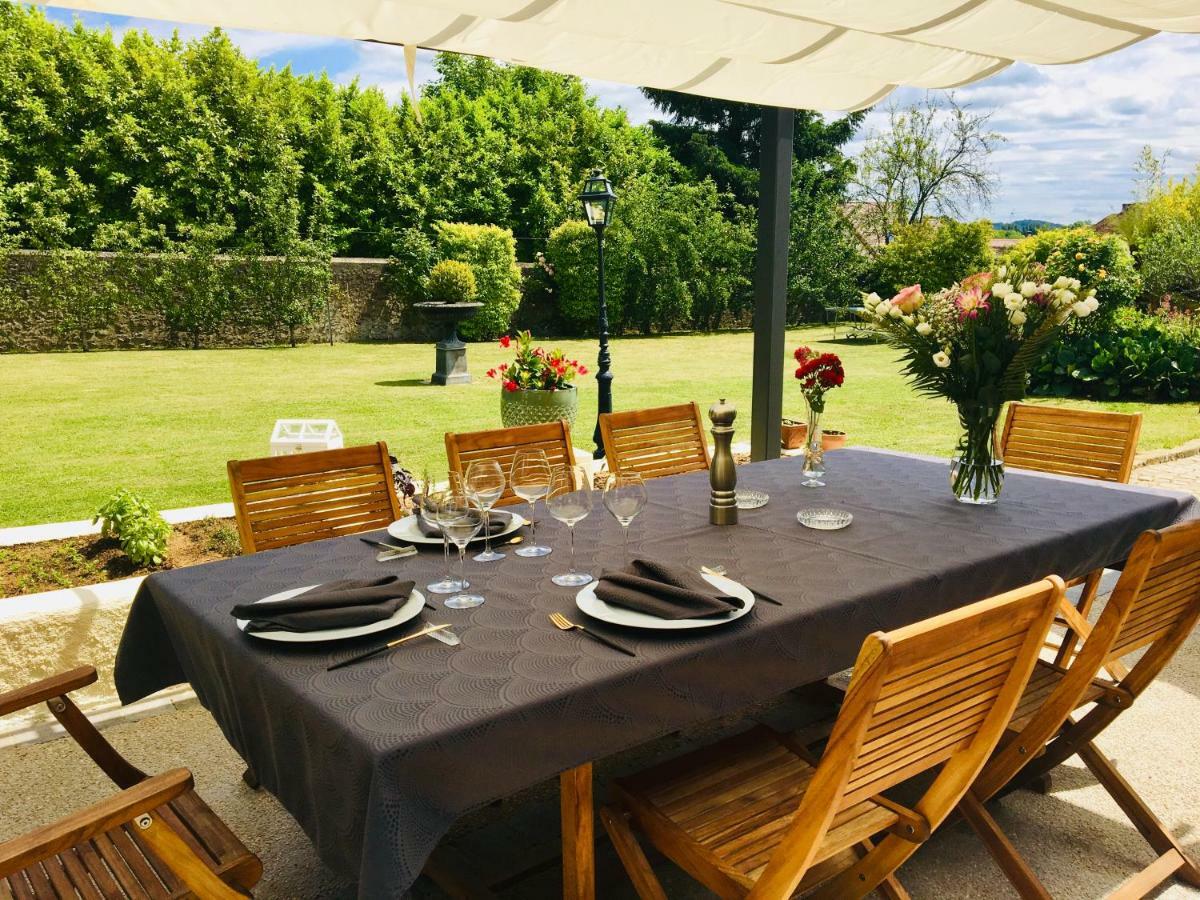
column 483, row 486
column 569, row 501
column 530, row 480
column 461, row 521
column 625, row 497
column 429, row 508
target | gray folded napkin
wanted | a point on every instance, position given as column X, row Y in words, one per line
column 348, row 603
column 499, row 520
column 665, row 591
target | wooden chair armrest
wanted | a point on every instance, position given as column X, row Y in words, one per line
column 85, row 824
column 46, row 689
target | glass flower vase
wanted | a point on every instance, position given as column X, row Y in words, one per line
column 977, row 473
column 814, row 451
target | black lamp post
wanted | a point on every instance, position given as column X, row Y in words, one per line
column 598, row 202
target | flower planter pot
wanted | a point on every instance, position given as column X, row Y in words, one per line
column 536, row 407
column 833, row 440
column 793, row 434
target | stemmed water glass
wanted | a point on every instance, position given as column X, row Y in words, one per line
column 460, row 521
column 429, row 509
column 483, row 486
column 530, row 480
column 569, row 501
column 624, row 497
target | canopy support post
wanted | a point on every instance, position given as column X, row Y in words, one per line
column 770, row 281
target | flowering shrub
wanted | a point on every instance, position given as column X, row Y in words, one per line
column 534, row 368
column 817, row 374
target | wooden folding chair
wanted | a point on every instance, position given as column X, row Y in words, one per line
column 502, row 444
column 1083, row 443
column 668, row 440
column 155, row 838
column 1154, row 608
column 302, row 497
column 756, row 815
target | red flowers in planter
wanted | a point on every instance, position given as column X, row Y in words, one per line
column 535, row 368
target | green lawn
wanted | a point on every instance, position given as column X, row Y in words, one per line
column 163, row 423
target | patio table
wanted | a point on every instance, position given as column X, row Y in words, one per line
column 377, row 760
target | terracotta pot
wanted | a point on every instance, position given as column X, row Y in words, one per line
column 832, row 440
column 793, row 434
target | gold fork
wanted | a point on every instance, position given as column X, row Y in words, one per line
column 562, row 623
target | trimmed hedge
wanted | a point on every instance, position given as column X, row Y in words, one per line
column 491, row 253
column 571, row 258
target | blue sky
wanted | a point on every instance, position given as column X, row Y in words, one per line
column 1073, row 132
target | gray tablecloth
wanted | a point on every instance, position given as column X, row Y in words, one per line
column 377, row 760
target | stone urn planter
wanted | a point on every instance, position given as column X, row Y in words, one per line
column 451, row 362
column 525, row 407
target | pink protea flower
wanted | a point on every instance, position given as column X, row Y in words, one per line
column 971, row 303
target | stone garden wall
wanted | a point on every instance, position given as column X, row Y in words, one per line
column 360, row 308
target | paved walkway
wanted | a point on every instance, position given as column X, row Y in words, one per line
column 1180, row 475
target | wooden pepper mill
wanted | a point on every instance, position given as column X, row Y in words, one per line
column 722, row 474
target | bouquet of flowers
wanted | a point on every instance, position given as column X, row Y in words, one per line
column 535, row 369
column 974, row 344
column 818, row 373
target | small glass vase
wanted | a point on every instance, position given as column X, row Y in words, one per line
column 977, row 473
column 814, row 451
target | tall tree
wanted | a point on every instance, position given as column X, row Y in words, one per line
column 720, row 139
column 933, row 157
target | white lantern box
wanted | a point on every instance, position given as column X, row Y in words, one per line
column 304, row 436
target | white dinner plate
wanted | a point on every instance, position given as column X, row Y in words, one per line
column 408, row 610
column 407, row 529
column 591, row 605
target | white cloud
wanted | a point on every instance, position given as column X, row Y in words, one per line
column 1074, row 131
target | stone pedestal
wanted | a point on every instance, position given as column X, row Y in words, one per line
column 451, row 352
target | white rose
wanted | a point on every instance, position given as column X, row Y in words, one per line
column 871, row 300
column 1062, row 282
column 1017, row 317
column 1081, row 309
column 1014, row 301
column 908, row 320
column 1092, row 302
column 941, row 359
column 1028, row 288
column 1002, row 271
column 1043, row 288
column 924, row 329
column 895, row 312
column 1001, row 289
column 1067, row 298
column 1075, row 284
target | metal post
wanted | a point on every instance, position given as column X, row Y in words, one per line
column 770, row 281
column 603, row 375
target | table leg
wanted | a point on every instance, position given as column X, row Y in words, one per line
column 578, row 838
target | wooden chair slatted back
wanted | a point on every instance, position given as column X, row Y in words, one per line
column 1155, row 602
column 936, row 693
column 945, row 678
column 1169, row 592
column 502, row 444
column 280, row 501
column 667, row 440
column 1084, row 443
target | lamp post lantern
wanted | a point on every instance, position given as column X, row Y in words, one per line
column 598, row 201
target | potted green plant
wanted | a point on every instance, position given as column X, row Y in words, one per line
column 536, row 386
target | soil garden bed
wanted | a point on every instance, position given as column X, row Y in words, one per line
column 50, row 565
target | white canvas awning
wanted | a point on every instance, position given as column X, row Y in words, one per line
column 811, row 54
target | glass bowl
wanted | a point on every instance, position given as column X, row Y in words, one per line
column 824, row 519
column 747, row 499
